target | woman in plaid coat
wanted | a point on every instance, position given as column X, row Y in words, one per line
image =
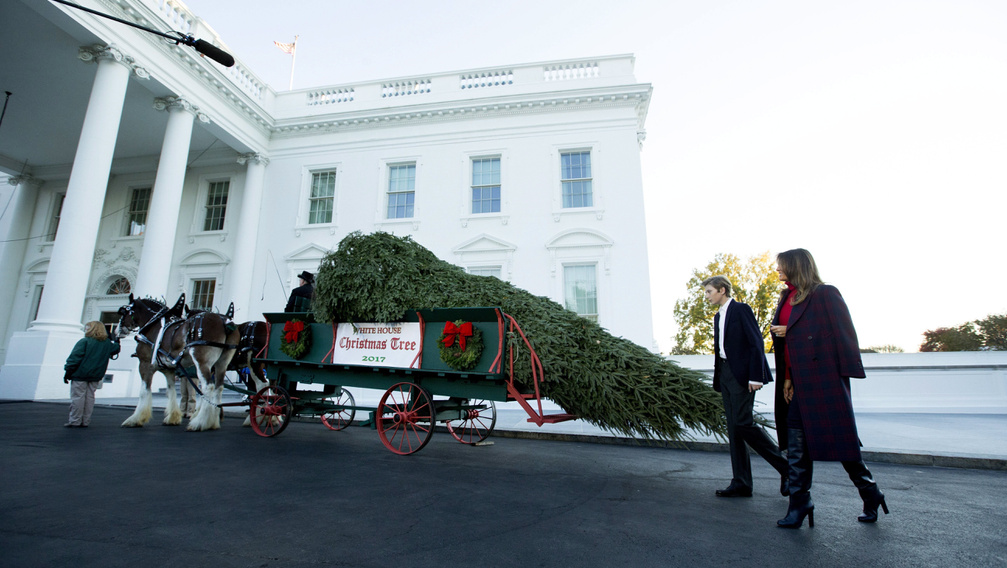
column 817, row 352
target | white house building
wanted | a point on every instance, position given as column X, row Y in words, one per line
column 137, row 165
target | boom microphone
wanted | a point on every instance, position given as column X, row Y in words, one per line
column 204, row 47
column 214, row 52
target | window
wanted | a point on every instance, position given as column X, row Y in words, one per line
column 37, row 301
column 401, row 191
column 202, row 294
column 216, row 205
column 322, row 197
column 57, row 209
column 581, row 290
column 485, row 185
column 485, row 271
column 136, row 218
column 575, row 175
column 120, row 286
column 109, row 319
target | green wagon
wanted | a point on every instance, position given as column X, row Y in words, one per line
column 404, row 360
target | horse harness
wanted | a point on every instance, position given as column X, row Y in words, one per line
column 162, row 358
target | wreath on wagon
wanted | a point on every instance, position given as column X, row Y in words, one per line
column 296, row 340
column 461, row 345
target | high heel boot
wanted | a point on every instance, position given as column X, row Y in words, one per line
column 800, row 465
column 869, row 492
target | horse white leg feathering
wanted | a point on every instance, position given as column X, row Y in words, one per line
column 172, row 413
column 207, row 415
column 143, row 408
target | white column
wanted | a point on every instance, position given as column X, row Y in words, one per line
column 33, row 364
column 166, row 198
column 73, row 250
column 14, row 229
column 247, row 234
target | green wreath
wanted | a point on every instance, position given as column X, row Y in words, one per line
column 296, row 339
column 461, row 345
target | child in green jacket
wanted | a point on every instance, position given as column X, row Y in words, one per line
column 85, row 366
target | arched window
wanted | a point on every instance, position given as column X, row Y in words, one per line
column 120, row 286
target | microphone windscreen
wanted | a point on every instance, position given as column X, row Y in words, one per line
column 214, row 52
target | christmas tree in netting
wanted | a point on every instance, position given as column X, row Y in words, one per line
column 606, row 380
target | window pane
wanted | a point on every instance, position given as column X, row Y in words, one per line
column 575, row 175
column 485, row 185
column 202, row 294
column 401, row 191
column 216, row 205
column 136, row 218
column 581, row 292
column 485, row 271
column 321, row 202
column 57, row 210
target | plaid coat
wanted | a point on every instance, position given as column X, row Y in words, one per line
column 824, row 354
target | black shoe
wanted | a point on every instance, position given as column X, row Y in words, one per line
column 70, row 425
column 785, row 483
column 733, row 491
column 800, row 506
column 873, row 498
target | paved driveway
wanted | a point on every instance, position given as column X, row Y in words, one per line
column 158, row 496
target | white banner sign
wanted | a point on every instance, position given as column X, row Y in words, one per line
column 378, row 344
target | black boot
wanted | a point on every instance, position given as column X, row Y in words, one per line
column 869, row 492
column 800, row 467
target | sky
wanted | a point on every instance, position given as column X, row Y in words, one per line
column 872, row 133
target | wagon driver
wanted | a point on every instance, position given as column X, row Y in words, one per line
column 300, row 297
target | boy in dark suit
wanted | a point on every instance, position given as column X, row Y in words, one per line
column 740, row 369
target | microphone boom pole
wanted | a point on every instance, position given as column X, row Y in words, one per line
column 204, row 47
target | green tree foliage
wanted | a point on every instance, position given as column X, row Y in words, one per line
column 987, row 334
column 753, row 282
column 608, row 381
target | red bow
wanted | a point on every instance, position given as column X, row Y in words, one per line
column 292, row 329
column 451, row 330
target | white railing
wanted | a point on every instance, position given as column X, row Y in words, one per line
column 179, row 18
column 331, row 96
column 486, row 79
column 407, row 87
column 567, row 71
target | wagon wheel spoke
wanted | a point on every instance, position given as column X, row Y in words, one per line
column 477, row 423
column 341, row 417
column 405, row 418
column 270, row 410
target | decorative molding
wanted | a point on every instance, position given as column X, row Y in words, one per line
column 253, row 157
column 464, row 109
column 26, row 179
column 172, row 102
column 98, row 52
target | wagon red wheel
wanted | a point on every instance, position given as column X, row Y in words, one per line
column 405, row 418
column 339, row 418
column 477, row 423
column 270, row 411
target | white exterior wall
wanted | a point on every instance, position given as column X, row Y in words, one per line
column 525, row 114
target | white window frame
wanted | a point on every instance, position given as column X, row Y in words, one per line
column 384, row 178
column 124, row 233
column 303, row 205
column 191, row 293
column 216, row 207
column 409, row 191
column 55, row 215
column 199, row 211
column 597, row 181
column 597, row 288
column 465, row 173
column 475, row 268
column 472, row 185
